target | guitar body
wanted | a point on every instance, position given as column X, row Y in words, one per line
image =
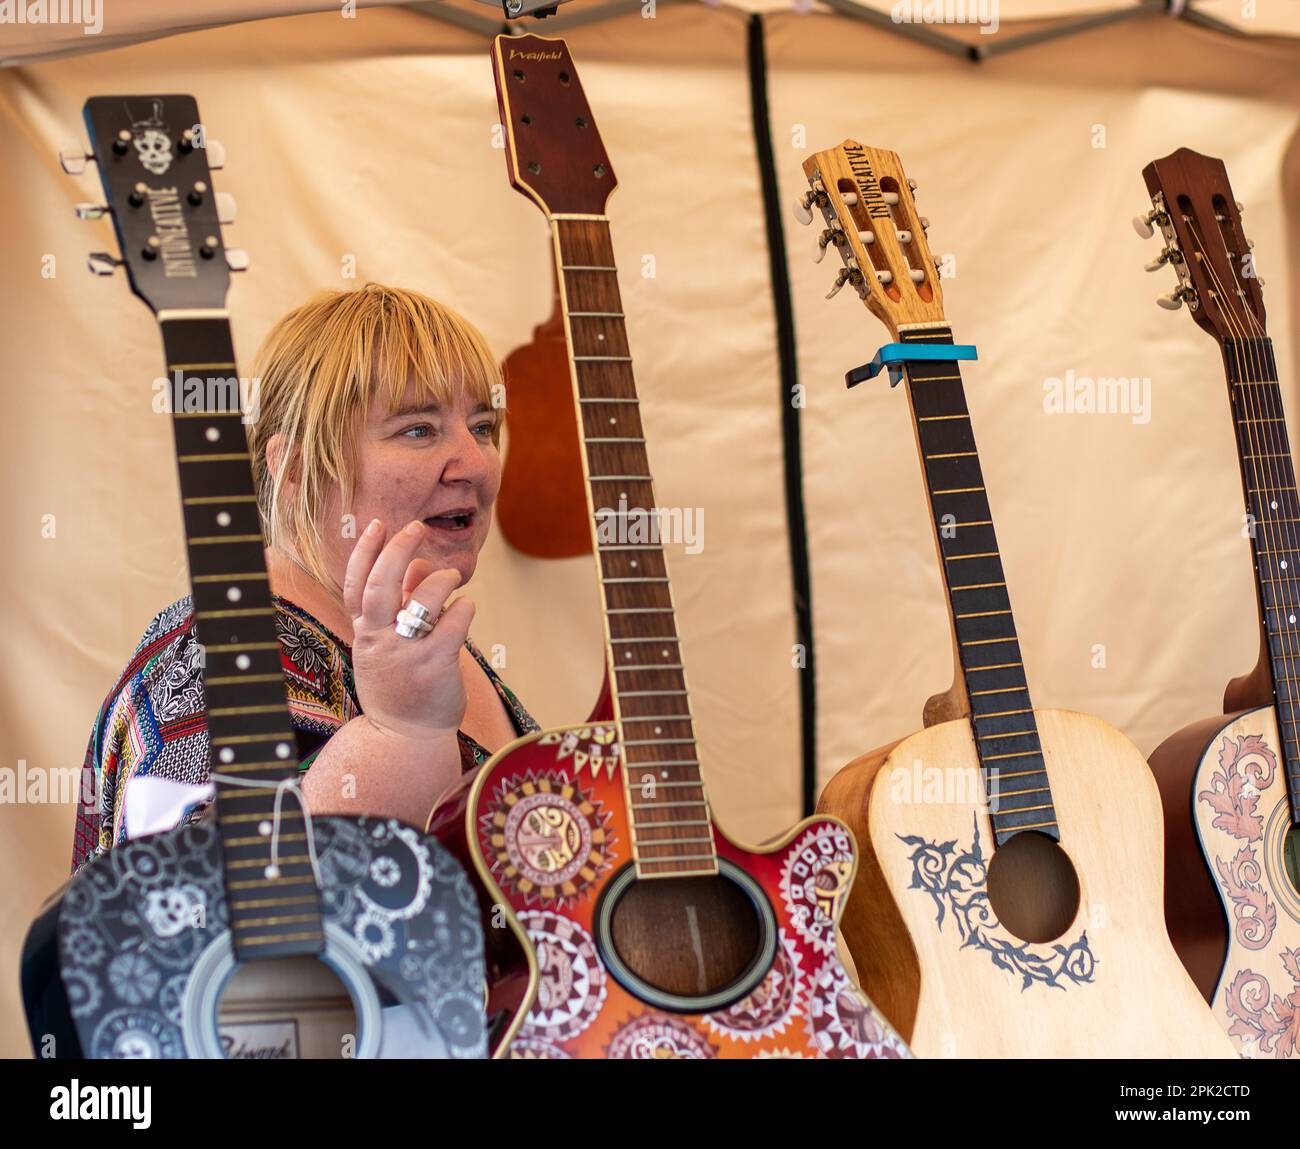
column 542, row 506
column 1232, row 897
column 548, row 829
column 130, row 958
column 929, row 948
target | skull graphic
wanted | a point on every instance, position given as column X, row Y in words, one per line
column 149, row 135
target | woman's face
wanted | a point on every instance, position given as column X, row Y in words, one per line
column 435, row 464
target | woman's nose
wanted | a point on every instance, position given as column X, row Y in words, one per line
column 466, row 461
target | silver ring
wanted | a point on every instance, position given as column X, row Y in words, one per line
column 408, row 626
column 418, row 610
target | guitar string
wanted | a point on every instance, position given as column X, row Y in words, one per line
column 291, row 785
column 1271, row 485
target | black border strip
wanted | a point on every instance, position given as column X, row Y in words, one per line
column 800, row 572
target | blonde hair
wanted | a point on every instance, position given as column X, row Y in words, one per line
column 321, row 367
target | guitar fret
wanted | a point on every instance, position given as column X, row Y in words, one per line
column 658, row 742
column 683, row 858
column 664, row 805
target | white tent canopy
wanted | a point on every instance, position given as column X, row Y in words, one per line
column 41, row 29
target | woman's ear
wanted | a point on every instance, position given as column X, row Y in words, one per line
column 275, row 455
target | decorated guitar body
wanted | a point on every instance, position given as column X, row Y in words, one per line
column 1233, row 893
column 1231, row 783
column 929, row 948
column 131, row 957
column 553, row 841
column 1008, row 900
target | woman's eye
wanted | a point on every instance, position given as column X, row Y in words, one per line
column 419, row 431
column 484, row 429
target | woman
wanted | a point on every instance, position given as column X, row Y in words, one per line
column 375, row 455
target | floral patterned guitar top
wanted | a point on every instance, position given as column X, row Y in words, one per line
column 152, row 721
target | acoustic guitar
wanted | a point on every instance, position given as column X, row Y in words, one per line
column 1232, row 887
column 263, row 932
column 651, row 934
column 1008, row 903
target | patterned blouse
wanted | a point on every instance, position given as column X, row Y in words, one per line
column 152, row 721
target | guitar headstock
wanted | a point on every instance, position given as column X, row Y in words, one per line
column 871, row 219
column 553, row 150
column 1200, row 223
column 155, row 164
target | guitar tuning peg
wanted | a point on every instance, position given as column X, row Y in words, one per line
column 885, row 276
column 925, row 223
column 102, row 263
column 890, row 198
column 72, row 159
column 1157, row 263
column 237, row 259
column 1142, row 224
column 918, row 276
column 803, row 208
column 904, row 236
column 226, row 207
column 850, row 199
column 1176, row 298
column 911, row 183
column 91, row 210
column 1241, row 207
column 867, row 236
column 824, row 240
column 216, row 154
column 840, row 280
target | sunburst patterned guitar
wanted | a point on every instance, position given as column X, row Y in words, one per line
column 1008, row 902
column 1232, row 893
column 651, row 935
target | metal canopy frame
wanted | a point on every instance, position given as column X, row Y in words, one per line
column 514, row 11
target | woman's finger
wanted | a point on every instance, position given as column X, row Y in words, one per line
column 416, row 573
column 452, row 629
column 381, row 596
column 360, row 561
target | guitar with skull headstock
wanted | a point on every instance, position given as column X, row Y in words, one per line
column 264, row 931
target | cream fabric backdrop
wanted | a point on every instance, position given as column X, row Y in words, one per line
column 373, row 138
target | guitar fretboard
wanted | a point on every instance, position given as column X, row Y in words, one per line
column 1002, row 715
column 1268, row 481
column 669, row 812
column 247, row 711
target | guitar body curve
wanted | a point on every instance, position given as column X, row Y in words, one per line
column 129, row 959
column 1234, row 909
column 928, row 946
column 548, row 824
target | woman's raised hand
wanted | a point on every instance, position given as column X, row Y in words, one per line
column 410, row 687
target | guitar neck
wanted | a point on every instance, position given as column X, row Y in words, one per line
column 1268, row 482
column 666, row 797
column 250, row 733
column 992, row 668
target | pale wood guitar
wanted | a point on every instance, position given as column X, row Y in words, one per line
column 1232, row 889
column 1008, row 898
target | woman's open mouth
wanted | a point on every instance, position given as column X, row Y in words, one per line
column 454, row 522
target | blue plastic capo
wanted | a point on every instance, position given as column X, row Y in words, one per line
column 893, row 356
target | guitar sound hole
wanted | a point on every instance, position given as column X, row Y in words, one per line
column 687, row 943
column 286, row 1008
column 1291, row 855
column 1033, row 887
